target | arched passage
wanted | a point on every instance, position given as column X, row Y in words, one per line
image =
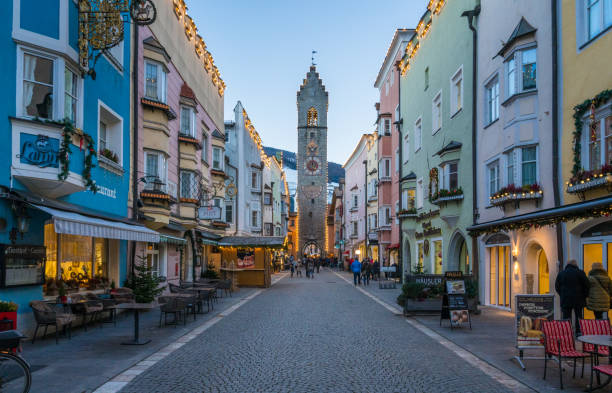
column 537, row 265
column 311, row 249
column 459, row 258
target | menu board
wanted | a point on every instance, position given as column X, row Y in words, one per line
column 22, row 265
column 457, row 302
column 531, row 311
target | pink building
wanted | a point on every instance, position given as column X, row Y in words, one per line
column 354, row 196
column 387, row 83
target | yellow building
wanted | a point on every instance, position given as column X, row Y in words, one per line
column 374, row 220
column 586, row 124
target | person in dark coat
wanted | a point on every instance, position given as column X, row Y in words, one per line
column 572, row 285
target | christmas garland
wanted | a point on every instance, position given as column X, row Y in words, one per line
column 579, row 111
column 64, row 154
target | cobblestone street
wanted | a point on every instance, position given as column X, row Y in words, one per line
column 317, row 335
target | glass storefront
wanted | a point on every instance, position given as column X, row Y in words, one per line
column 543, row 273
column 80, row 257
column 437, row 256
column 597, row 247
column 499, row 275
column 420, row 256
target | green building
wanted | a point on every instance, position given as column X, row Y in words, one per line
column 436, row 152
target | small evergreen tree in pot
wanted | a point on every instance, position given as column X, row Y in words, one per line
column 144, row 283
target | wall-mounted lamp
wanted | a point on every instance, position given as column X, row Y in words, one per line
column 23, row 219
column 357, row 252
column 515, row 253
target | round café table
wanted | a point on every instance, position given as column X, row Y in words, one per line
column 599, row 340
column 137, row 308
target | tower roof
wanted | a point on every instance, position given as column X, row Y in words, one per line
column 312, row 80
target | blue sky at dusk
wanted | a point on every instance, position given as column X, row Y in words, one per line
column 263, row 49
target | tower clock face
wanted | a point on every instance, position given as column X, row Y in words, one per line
column 313, row 166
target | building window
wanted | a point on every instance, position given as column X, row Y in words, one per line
column 529, row 165
column 217, row 163
column 70, row 95
column 156, row 170
column 387, row 125
column 255, row 180
column 494, row 183
column 384, row 167
column 419, row 193
column 189, row 185
column 110, row 134
column 268, row 198
column 155, row 81
column 499, row 275
column 385, row 215
column 510, row 172
column 312, row 118
column 204, row 147
column 268, row 229
column 523, row 79
column 426, row 78
column 408, row 196
column 38, row 86
column 188, row 120
column 436, row 113
column 406, row 148
column 418, row 134
column 598, row 153
column 456, row 91
column 450, row 179
column 229, row 212
column 255, row 215
column 154, row 255
column 492, row 101
column 599, row 16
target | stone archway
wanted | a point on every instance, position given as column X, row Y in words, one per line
column 458, row 256
column 311, row 248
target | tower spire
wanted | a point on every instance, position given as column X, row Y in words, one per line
column 312, row 58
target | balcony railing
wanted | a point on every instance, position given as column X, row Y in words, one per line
column 372, row 198
column 155, row 185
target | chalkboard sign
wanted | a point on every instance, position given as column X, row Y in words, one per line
column 22, row 265
column 454, row 300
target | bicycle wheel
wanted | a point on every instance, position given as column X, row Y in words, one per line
column 15, row 374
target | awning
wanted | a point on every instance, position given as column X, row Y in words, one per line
column 394, row 246
column 71, row 223
column 171, row 239
column 593, row 208
column 208, row 238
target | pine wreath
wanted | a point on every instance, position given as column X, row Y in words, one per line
column 68, row 132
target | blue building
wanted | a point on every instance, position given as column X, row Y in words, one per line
column 64, row 156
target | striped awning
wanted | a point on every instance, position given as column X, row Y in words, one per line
column 72, row 223
column 171, row 239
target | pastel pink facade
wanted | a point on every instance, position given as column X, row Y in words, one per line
column 355, row 199
column 387, row 83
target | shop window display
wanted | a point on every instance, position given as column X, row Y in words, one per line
column 83, row 259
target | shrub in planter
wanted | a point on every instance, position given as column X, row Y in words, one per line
column 144, row 283
column 413, row 291
column 8, row 310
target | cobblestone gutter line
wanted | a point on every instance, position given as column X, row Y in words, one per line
column 121, row 380
column 493, row 372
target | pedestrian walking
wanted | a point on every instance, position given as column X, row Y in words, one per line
column 356, row 269
column 318, row 264
column 310, row 268
column 367, row 272
column 572, row 285
column 599, row 291
column 293, row 266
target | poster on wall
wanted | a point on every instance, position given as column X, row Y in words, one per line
column 455, row 287
column 246, row 259
column 531, row 311
column 459, row 317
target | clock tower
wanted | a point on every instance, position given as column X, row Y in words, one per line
column 312, row 103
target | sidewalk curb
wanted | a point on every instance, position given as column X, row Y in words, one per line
column 489, row 369
column 120, row 380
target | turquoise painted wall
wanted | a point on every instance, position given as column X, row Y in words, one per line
column 40, row 16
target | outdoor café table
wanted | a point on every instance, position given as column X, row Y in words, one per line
column 137, row 308
column 599, row 340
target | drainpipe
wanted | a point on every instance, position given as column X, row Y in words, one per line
column 555, row 128
column 398, row 122
column 470, row 18
column 365, row 189
column 135, row 85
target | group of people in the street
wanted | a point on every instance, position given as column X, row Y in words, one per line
column 309, row 264
column 364, row 271
column 577, row 290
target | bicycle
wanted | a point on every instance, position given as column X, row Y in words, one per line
column 15, row 373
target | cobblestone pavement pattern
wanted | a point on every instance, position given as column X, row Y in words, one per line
column 316, row 335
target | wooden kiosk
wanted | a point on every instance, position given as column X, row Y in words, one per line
column 249, row 258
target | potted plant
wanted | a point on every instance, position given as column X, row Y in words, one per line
column 144, row 283
column 418, row 297
column 8, row 310
column 61, row 290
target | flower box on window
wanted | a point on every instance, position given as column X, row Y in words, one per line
column 512, row 193
column 109, row 154
column 443, row 196
column 589, row 180
column 407, row 213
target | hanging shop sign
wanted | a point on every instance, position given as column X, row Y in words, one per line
column 209, row 213
column 39, row 150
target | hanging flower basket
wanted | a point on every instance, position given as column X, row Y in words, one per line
column 512, row 193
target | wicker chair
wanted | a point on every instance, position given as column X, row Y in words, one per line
column 83, row 306
column 170, row 305
column 108, row 305
column 122, row 295
column 45, row 315
column 225, row 285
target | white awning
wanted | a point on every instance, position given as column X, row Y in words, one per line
column 77, row 224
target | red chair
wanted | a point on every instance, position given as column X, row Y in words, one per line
column 559, row 341
column 601, row 369
column 595, row 327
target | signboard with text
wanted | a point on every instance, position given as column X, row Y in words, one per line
column 209, row 213
column 531, row 311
